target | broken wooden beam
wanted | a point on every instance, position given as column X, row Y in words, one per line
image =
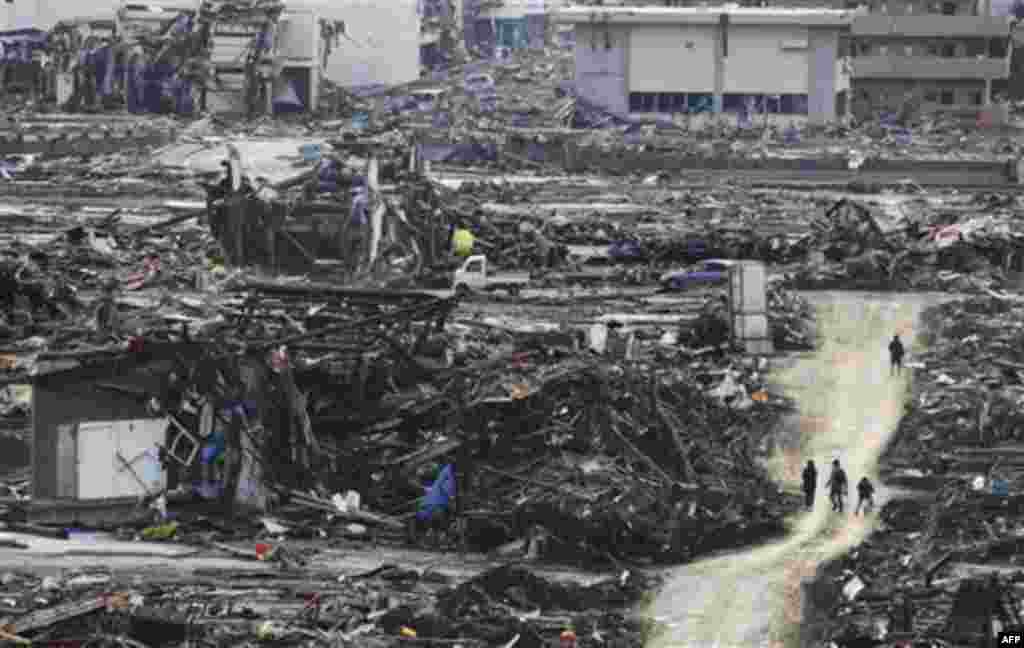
column 41, row 619
column 304, row 499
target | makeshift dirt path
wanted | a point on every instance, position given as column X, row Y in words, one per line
column 849, row 406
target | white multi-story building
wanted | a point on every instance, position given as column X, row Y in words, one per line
column 711, row 59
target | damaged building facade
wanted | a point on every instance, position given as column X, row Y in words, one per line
column 948, row 56
column 711, row 60
column 224, row 57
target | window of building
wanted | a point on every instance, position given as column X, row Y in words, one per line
column 975, row 98
column 760, row 104
column 732, row 102
column 947, row 97
column 723, row 24
column 975, row 48
column 948, row 8
column 671, row 102
column 865, row 49
column 793, row 104
column 699, row 103
column 641, row 102
column 883, row 50
column 931, row 96
column 908, row 50
column 933, row 49
column 997, row 48
column 948, row 50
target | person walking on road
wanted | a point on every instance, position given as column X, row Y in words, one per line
column 810, row 483
column 896, row 355
column 865, row 496
column 838, row 486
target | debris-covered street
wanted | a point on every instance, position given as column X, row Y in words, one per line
column 434, row 324
column 848, row 409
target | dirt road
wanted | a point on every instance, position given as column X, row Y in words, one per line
column 849, row 406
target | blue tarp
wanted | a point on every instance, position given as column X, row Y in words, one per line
column 213, row 448
column 430, row 55
column 536, row 25
column 589, row 115
column 481, row 35
column 442, row 120
column 624, row 250
column 370, row 90
column 439, row 494
column 327, row 176
column 468, row 152
column 289, row 99
column 18, row 44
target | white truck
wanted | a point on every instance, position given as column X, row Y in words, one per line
column 473, row 276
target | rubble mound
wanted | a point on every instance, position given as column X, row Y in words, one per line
column 959, row 446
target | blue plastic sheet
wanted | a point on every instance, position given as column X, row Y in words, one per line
column 288, row 100
column 439, row 495
column 213, row 448
column 360, row 209
column 18, row 44
column 624, row 250
column 442, row 120
column 327, row 176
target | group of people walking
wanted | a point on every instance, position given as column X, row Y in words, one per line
column 838, row 482
column 838, row 485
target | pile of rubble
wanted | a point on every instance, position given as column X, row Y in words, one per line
column 385, row 606
column 957, row 248
column 943, row 565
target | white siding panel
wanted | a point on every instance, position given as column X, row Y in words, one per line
column 757, row 63
column 97, row 443
column 672, row 58
column 100, row 473
column 134, row 439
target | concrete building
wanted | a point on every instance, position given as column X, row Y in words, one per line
column 381, row 47
column 775, row 62
column 938, row 54
column 514, row 24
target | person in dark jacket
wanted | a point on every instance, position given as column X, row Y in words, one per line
column 810, row 483
column 865, row 496
column 896, row 355
column 838, row 486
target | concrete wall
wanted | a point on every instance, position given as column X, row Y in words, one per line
column 757, row 62
column 601, row 72
column 671, row 58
